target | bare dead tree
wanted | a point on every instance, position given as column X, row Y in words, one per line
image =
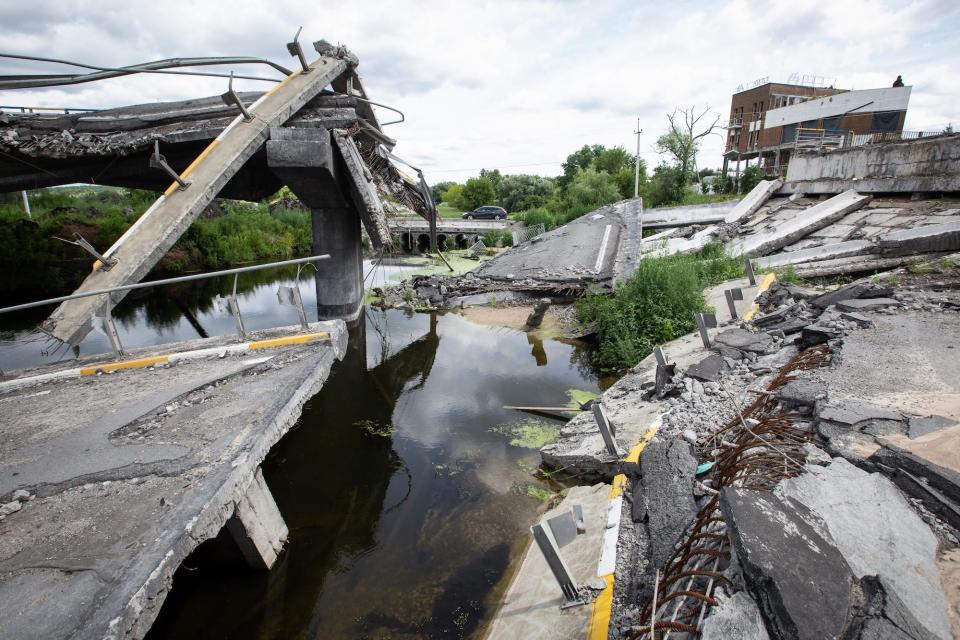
column 682, row 140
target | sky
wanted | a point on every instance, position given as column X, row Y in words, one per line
column 515, row 86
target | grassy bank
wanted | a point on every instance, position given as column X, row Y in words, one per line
column 227, row 233
column 655, row 306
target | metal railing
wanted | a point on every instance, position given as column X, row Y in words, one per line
column 818, row 139
column 105, row 314
column 529, row 233
column 54, row 110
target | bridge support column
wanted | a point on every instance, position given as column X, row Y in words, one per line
column 307, row 162
column 257, row 526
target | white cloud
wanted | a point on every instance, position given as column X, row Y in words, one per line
column 514, row 85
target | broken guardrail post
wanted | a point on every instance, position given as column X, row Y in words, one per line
column 291, row 296
column 705, row 321
column 748, row 267
column 231, row 98
column 110, row 328
column 551, row 553
column 607, row 431
column 661, row 357
column 157, row 161
column 296, row 50
column 736, row 293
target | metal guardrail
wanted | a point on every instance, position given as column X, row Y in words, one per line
column 284, row 297
column 55, row 110
column 529, row 233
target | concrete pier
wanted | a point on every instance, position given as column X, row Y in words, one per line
column 119, row 473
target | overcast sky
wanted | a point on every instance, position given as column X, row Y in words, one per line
column 509, row 85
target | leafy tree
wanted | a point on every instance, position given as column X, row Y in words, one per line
column 591, row 189
column 579, row 160
column 750, row 178
column 452, row 195
column 613, row 160
column 521, row 192
column 493, row 175
column 437, row 190
column 667, row 186
column 477, row 192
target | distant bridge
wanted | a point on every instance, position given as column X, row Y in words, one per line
column 452, row 233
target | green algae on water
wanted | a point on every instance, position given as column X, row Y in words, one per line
column 579, row 397
column 529, row 433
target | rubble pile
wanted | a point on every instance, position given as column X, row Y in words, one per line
column 772, row 503
column 448, row 292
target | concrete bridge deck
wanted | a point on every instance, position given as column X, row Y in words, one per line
column 451, row 225
column 132, row 469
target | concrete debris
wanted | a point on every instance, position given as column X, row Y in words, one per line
column 753, row 201
column 813, row 219
column 744, row 340
column 868, row 304
column 928, row 239
column 668, row 468
column 735, row 617
column 808, row 597
column 878, row 534
column 536, row 316
column 708, row 369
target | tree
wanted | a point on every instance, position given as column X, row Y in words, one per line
column 493, row 175
column 667, row 186
column 591, row 189
column 612, row 160
column 522, row 192
column 751, row 177
column 452, row 195
column 681, row 141
column 579, row 160
column 477, row 192
column 437, row 190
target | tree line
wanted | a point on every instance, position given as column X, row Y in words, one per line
column 595, row 175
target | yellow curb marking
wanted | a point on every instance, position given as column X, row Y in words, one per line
column 599, row 624
column 281, row 342
column 764, row 285
column 127, row 364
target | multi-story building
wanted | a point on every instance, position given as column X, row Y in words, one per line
column 768, row 121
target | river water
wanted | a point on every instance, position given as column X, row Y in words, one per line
column 407, row 487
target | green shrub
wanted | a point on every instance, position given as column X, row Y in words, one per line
column 655, row 306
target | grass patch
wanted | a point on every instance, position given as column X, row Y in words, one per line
column 706, row 198
column 446, row 211
column 788, row 275
column 655, row 306
column 529, row 433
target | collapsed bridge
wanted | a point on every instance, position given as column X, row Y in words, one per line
column 315, row 131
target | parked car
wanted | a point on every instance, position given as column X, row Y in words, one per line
column 490, row 213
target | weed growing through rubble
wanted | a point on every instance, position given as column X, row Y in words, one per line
column 788, row 275
column 655, row 306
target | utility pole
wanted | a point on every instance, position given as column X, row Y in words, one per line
column 636, row 174
column 26, row 204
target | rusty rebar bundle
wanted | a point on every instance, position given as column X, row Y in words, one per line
column 759, row 447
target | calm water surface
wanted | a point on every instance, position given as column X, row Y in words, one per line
column 407, row 509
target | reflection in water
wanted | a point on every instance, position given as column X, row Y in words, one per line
column 404, row 536
column 538, row 352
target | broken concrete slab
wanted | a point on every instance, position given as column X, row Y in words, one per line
column 807, row 597
column 802, row 392
column 708, row 369
column 922, row 425
column 744, row 340
column 683, row 216
column 808, row 221
column 668, row 468
column 814, row 254
column 735, row 617
column 877, row 533
column 926, row 239
column 753, row 201
column 853, row 291
column 867, row 304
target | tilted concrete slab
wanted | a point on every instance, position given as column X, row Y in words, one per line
column 823, row 252
column 686, row 216
column 926, row 239
column 753, row 201
column 878, row 533
column 364, row 192
column 94, row 554
column 800, row 225
column 531, row 607
column 150, row 237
